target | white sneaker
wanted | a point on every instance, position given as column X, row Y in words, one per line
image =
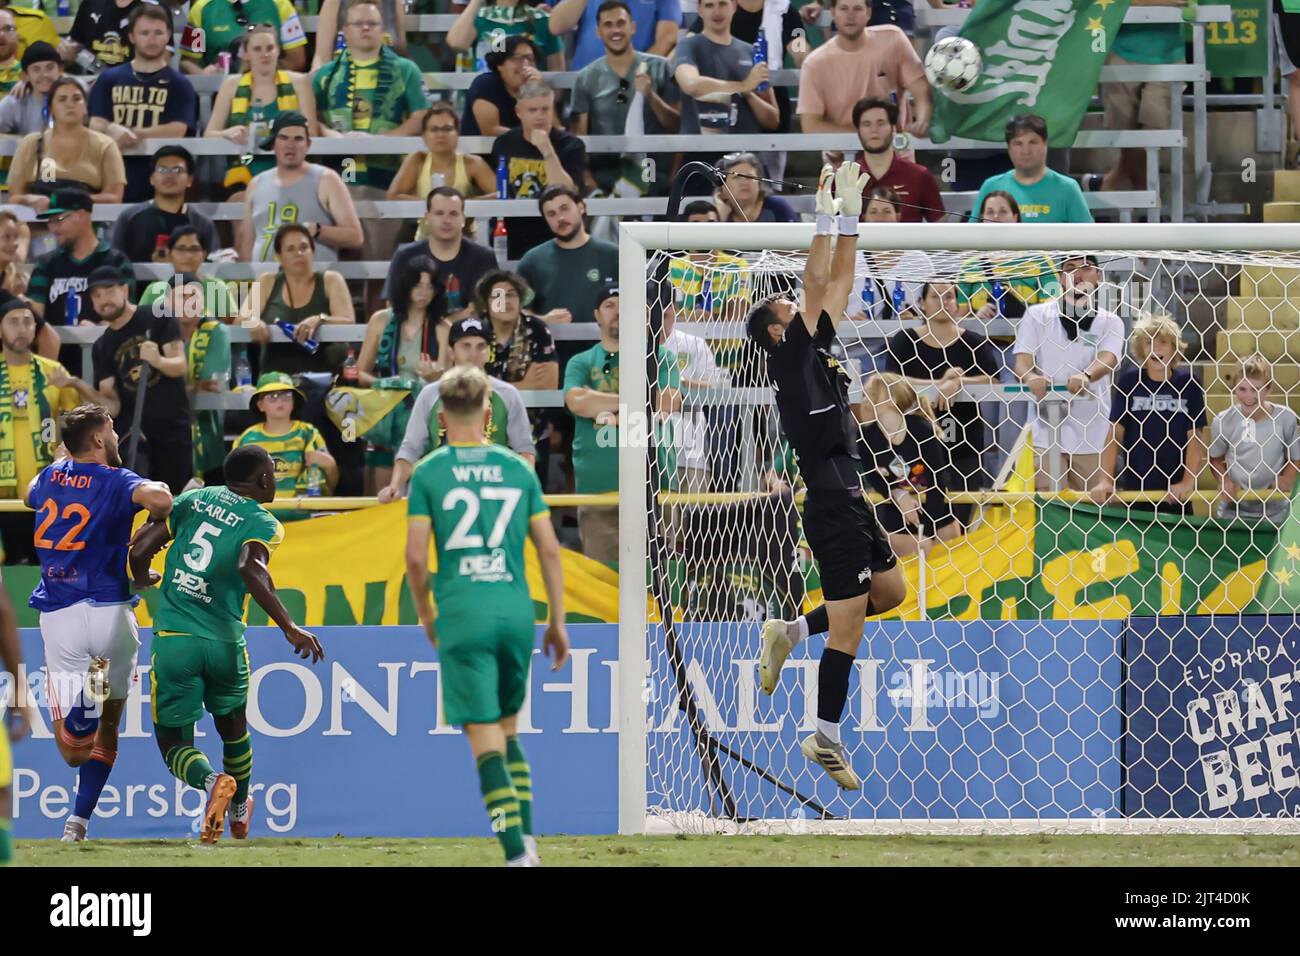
column 524, row 860
column 831, row 757
column 74, row 831
column 530, row 848
column 776, row 648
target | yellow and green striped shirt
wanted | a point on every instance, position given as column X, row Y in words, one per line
column 288, row 451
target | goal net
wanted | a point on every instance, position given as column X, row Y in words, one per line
column 1098, row 630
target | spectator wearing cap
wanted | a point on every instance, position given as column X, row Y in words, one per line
column 482, row 26
column 142, row 230
column 523, row 350
column 1072, row 345
column 608, row 86
column 139, row 346
column 26, row 108
column 651, row 27
column 1043, row 194
column 861, row 61
column 295, row 446
column 876, row 122
column 460, row 262
column 591, row 395
column 33, row 391
column 207, row 367
column 146, row 98
column 469, row 344
column 66, row 154
column 218, row 26
column 186, row 252
column 249, row 102
column 537, row 155
column 301, row 296
column 569, row 272
column 58, row 285
column 491, row 102
column 296, row 191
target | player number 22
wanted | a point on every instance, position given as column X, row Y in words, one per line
column 50, row 509
column 460, row 536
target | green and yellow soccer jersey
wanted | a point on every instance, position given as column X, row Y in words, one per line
column 288, row 451
column 202, row 592
column 1032, row 279
column 480, row 500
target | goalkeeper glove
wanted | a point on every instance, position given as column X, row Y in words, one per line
column 850, row 180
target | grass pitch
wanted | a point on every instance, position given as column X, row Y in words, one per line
column 694, row 851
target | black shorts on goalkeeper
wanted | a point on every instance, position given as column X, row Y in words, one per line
column 846, row 540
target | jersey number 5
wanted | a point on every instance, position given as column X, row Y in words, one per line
column 460, row 536
column 73, row 512
column 200, row 554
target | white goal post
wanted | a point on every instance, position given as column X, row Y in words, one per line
column 749, row 777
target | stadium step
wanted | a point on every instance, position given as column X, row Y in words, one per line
column 1286, row 185
column 1261, row 313
column 1282, row 212
column 1267, row 282
column 1273, row 345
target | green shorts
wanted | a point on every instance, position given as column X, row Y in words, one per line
column 485, row 662
column 377, row 457
column 192, row 674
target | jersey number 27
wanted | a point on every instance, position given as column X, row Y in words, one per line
column 460, row 535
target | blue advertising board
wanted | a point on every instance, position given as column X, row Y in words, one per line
column 945, row 720
column 1212, row 705
column 353, row 745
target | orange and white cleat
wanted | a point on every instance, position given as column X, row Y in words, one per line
column 241, row 817
column 214, row 817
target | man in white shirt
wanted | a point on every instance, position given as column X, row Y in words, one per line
column 689, row 430
column 1070, row 342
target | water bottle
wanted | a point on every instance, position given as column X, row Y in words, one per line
column 760, row 56
column 999, row 293
column 315, row 481
column 339, row 43
column 73, row 306
column 899, row 297
column 63, row 8
column 868, row 296
column 351, row 373
column 311, row 346
column 243, row 372
column 500, row 243
column 503, row 180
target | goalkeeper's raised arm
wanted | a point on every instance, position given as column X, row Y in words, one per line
column 828, row 276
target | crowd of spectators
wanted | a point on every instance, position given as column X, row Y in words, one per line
column 81, row 106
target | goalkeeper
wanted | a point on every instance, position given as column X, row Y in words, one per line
column 859, row 572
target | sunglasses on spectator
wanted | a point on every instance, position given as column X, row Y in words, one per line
column 171, row 170
column 621, row 97
column 8, row 29
column 609, row 362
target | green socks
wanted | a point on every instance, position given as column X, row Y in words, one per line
column 522, row 779
column 6, row 843
column 237, row 760
column 501, row 803
column 188, row 764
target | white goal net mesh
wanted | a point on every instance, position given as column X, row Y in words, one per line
column 1101, row 575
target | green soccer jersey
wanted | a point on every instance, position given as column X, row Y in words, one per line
column 202, row 592
column 480, row 500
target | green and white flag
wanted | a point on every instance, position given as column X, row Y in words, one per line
column 1040, row 56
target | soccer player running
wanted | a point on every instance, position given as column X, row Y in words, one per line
column 859, row 572
column 17, row 722
column 480, row 502
column 85, row 505
column 224, row 539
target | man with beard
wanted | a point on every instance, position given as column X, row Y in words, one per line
column 569, row 273
column 62, row 274
column 85, row 503
column 33, row 392
column 876, row 121
column 135, row 343
column 1072, row 343
column 11, row 70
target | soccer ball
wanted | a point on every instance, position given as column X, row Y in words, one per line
column 953, row 64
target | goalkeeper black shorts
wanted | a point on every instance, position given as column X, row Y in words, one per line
column 846, row 540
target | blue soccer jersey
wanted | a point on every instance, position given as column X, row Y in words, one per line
column 84, row 514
